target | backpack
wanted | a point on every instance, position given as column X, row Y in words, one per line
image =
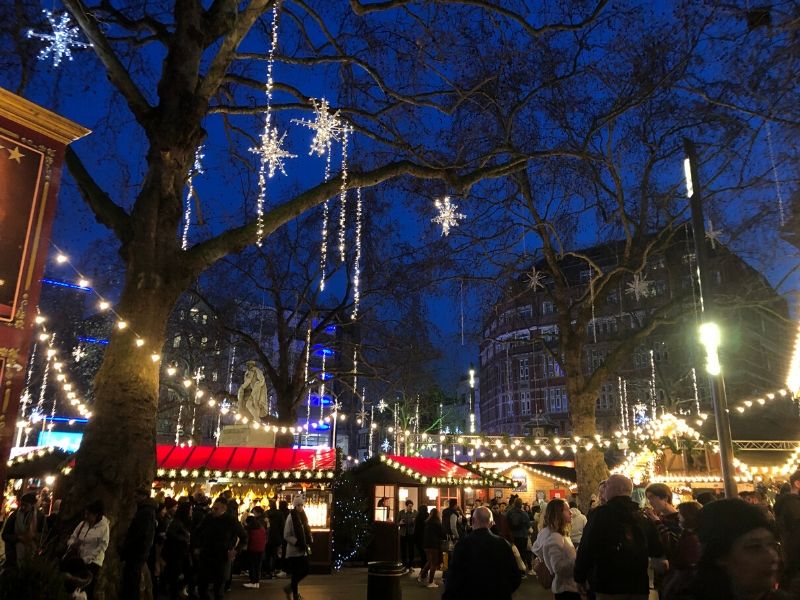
column 543, row 574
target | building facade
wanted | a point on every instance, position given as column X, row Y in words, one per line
column 522, row 381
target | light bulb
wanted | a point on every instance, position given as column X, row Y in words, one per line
column 83, row 282
column 122, row 324
column 139, row 342
column 171, row 371
column 61, row 258
column 155, row 357
column 104, row 305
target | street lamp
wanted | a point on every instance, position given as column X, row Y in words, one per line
column 710, row 335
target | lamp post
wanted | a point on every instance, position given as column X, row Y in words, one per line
column 471, row 399
column 710, row 336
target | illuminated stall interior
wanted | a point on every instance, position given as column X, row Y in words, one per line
column 391, row 480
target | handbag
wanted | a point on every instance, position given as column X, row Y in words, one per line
column 447, row 545
column 543, row 574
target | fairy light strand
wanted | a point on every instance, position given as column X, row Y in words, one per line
column 357, row 263
column 343, row 199
column 197, row 169
column 775, row 174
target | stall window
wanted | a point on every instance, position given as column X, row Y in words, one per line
column 384, row 502
column 445, row 494
column 407, row 493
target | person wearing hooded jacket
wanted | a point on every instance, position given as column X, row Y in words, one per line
column 297, row 534
column 554, row 547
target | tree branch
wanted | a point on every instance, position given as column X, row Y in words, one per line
column 105, row 210
column 117, row 74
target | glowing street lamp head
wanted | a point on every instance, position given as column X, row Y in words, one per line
column 710, row 337
column 687, row 171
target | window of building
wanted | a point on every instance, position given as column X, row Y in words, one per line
column 523, row 369
column 525, row 311
column 586, row 275
column 658, row 287
column 655, row 262
column 605, row 400
column 384, row 503
column 525, row 403
column 640, row 358
column 176, row 341
column 660, row 352
column 558, row 399
column 596, row 358
column 547, row 308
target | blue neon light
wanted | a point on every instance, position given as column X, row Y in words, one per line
column 91, row 340
column 330, row 329
column 72, row 286
column 67, row 420
column 325, row 376
column 320, row 350
column 325, row 400
column 320, row 426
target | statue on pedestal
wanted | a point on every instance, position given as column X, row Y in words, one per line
column 252, row 393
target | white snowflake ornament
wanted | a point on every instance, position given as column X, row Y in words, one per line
column 639, row 288
column 59, row 44
column 447, row 217
column 386, row 445
column 271, row 150
column 327, row 125
column 382, row 405
column 78, row 352
column 534, row 279
column 713, row 235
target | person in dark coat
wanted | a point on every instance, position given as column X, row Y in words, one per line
column 217, row 537
column 277, row 521
column 419, row 532
column 405, row 523
column 617, row 542
column 135, row 548
column 432, row 542
column 787, row 521
column 740, row 556
column 177, row 551
column 483, row 565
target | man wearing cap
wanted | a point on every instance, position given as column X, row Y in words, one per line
column 616, row 544
column 483, row 564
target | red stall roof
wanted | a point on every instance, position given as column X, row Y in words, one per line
column 442, row 471
column 176, row 462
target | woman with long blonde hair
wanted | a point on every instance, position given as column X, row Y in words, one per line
column 554, row 547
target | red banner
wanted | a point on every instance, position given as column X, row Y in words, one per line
column 32, row 143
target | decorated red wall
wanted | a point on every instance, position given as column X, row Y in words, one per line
column 32, row 144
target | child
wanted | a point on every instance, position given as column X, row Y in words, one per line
column 256, row 542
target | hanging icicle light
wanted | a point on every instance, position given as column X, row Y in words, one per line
column 357, row 263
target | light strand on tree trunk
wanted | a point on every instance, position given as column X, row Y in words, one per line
column 178, row 425
column 343, row 198
column 775, row 175
column 321, row 391
column 305, row 379
column 696, row 394
column 357, row 262
column 196, row 169
column 371, row 428
column 591, row 298
column 461, row 303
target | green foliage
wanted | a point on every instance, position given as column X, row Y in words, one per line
column 36, row 579
column 350, row 520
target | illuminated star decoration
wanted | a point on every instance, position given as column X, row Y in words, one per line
column 534, row 279
column 639, row 288
column 361, row 416
column 386, row 445
column 336, row 407
column 713, row 235
column 78, row 352
column 61, row 41
column 327, row 125
column 382, row 405
column 271, row 150
column 447, row 217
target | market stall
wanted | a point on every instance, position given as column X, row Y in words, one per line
column 390, row 480
column 536, row 483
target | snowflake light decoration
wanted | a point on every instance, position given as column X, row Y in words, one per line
column 534, row 279
column 639, row 288
column 447, row 217
column 271, row 150
column 327, row 125
column 386, row 445
column 336, row 407
column 713, row 235
column 382, row 405
column 59, row 44
column 78, row 352
column 361, row 416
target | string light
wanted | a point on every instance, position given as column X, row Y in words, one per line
column 196, row 169
column 357, row 263
column 327, row 126
column 775, row 175
column 343, row 199
column 59, row 44
column 447, row 217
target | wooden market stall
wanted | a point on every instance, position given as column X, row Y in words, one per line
column 390, row 480
column 536, row 483
column 254, row 475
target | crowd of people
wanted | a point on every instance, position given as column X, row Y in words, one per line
column 704, row 549
column 189, row 547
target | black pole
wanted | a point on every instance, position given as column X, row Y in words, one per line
column 719, row 399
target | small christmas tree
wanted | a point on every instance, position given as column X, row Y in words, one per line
column 350, row 522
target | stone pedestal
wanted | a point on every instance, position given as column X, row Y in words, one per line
column 243, row 435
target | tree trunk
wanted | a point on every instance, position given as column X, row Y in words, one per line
column 117, row 454
column 590, row 465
